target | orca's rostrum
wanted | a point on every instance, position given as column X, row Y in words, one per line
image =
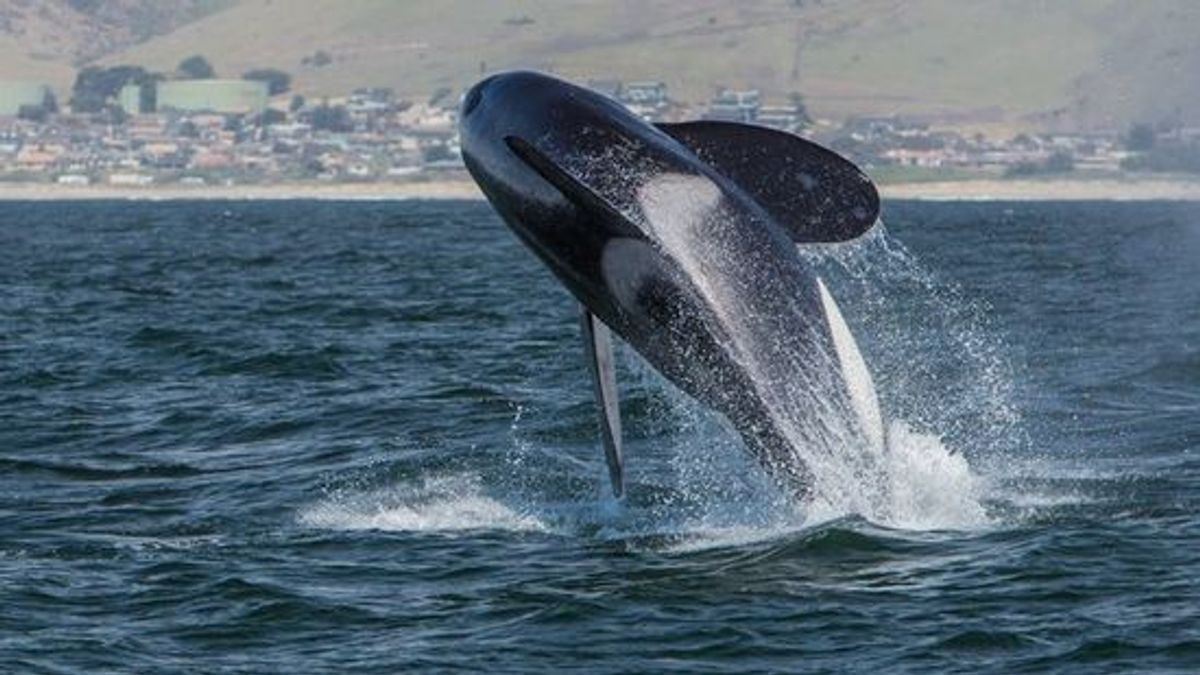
column 681, row 238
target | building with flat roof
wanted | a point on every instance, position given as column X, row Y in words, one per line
column 226, row 97
column 647, row 100
column 734, row 106
column 16, row 94
column 783, row 117
column 645, row 93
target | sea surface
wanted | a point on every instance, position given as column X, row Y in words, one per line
column 359, row 437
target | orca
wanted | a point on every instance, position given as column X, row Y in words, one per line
column 682, row 239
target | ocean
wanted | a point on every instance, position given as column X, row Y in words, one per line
column 359, row 437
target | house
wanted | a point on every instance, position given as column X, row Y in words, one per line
column 647, row 100
column 40, row 157
column 787, row 118
column 734, row 106
column 130, row 179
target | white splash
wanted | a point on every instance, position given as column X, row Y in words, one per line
column 920, row 484
column 930, row 487
column 433, row 504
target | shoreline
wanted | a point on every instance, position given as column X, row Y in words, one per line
column 1150, row 189
column 1001, row 190
column 435, row 190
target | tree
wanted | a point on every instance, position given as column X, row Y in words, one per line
column 277, row 81
column 272, row 116
column 148, row 97
column 196, row 68
column 296, row 104
column 1024, row 141
column 1168, row 157
column 1141, row 138
column 330, row 118
column 188, row 129
column 95, row 86
column 1060, row 162
column 438, row 153
column 318, row 60
column 32, row 113
column 116, row 114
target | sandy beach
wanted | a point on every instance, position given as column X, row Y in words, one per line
column 1131, row 189
column 448, row 189
column 968, row 190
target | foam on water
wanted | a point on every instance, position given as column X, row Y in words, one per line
column 431, row 504
column 921, row 485
column 931, row 487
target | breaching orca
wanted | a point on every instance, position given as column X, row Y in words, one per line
column 681, row 238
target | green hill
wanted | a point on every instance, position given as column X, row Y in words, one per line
column 1099, row 63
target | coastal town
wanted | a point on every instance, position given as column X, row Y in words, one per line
column 122, row 127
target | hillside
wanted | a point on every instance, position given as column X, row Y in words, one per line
column 61, row 32
column 1101, row 63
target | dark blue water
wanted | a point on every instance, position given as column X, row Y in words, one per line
column 292, row 437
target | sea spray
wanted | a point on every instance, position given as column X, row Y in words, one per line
column 945, row 390
column 435, row 503
column 939, row 361
column 947, row 395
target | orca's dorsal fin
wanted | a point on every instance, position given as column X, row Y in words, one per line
column 817, row 195
column 597, row 346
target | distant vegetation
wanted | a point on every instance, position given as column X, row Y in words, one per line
column 195, row 68
column 1057, row 163
column 278, row 82
column 1140, row 138
column 329, row 118
column 1161, row 150
column 1179, row 157
column 318, row 59
column 96, row 88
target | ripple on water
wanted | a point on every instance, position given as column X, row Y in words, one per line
column 323, row 436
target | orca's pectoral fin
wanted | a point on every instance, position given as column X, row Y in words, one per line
column 817, row 195
column 597, row 344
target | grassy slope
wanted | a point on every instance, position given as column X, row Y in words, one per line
column 1018, row 61
column 19, row 65
column 43, row 40
column 37, row 45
